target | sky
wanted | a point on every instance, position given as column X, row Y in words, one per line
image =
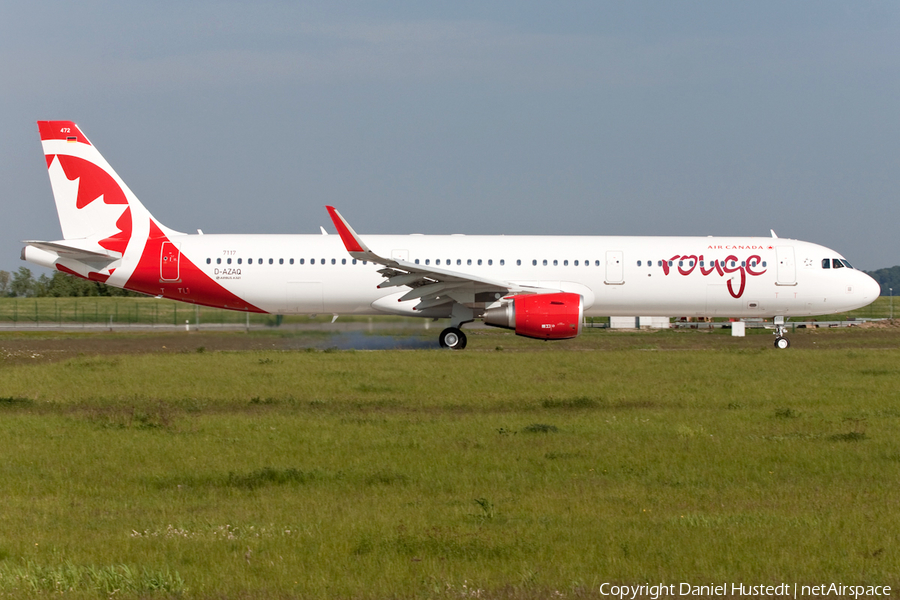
column 506, row 117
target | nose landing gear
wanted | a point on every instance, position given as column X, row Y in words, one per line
column 781, row 342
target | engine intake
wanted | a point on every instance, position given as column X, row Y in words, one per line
column 543, row 316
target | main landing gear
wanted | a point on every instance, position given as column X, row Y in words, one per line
column 781, row 342
column 453, row 338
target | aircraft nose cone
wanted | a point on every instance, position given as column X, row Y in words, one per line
column 870, row 288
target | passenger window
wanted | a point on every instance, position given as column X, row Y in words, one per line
column 680, row 263
column 228, row 261
column 417, row 261
column 260, row 261
column 596, row 263
column 639, row 263
column 518, row 262
column 502, row 262
column 354, row 261
column 565, row 263
column 534, row 263
column 292, row 261
column 322, row 261
column 554, row 263
column 427, row 261
column 437, row 262
column 576, row 263
column 333, row 261
column 479, row 262
column 208, row 261
column 670, row 263
column 280, row 261
column 240, row 260
column 458, row 261
column 271, row 261
column 826, row 263
column 490, row 262
column 218, row 261
column 545, row 262
column 469, row 262
column 302, row 261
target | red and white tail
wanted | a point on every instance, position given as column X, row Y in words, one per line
column 102, row 221
column 92, row 201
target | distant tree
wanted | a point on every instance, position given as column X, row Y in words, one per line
column 887, row 278
column 22, row 283
column 63, row 285
column 40, row 286
column 58, row 285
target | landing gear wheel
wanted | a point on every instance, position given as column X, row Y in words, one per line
column 453, row 338
column 781, row 342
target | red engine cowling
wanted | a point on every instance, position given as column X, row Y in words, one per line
column 542, row 316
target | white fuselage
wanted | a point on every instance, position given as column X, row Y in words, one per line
column 308, row 274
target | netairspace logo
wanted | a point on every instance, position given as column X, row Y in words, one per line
column 781, row 590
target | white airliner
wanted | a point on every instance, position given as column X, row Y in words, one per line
column 540, row 286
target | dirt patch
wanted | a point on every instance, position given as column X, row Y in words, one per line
column 883, row 324
column 35, row 347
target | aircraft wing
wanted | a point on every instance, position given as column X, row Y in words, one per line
column 431, row 285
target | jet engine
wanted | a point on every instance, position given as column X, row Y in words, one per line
column 543, row 316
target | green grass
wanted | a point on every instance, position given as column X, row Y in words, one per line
column 545, row 468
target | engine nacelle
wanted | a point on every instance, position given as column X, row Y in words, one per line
column 542, row 316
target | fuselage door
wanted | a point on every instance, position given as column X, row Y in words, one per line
column 787, row 269
column 169, row 259
column 615, row 268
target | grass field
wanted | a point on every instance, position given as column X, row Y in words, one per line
column 515, row 469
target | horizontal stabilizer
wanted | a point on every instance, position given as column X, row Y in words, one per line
column 71, row 249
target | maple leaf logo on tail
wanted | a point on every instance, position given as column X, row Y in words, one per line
column 90, row 202
column 104, row 226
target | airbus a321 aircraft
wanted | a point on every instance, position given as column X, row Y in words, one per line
column 542, row 287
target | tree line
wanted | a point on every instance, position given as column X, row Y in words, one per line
column 887, row 278
column 22, row 284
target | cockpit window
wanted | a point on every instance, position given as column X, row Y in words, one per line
column 826, row 263
column 836, row 263
column 846, row 264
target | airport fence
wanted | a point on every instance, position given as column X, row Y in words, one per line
column 96, row 311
